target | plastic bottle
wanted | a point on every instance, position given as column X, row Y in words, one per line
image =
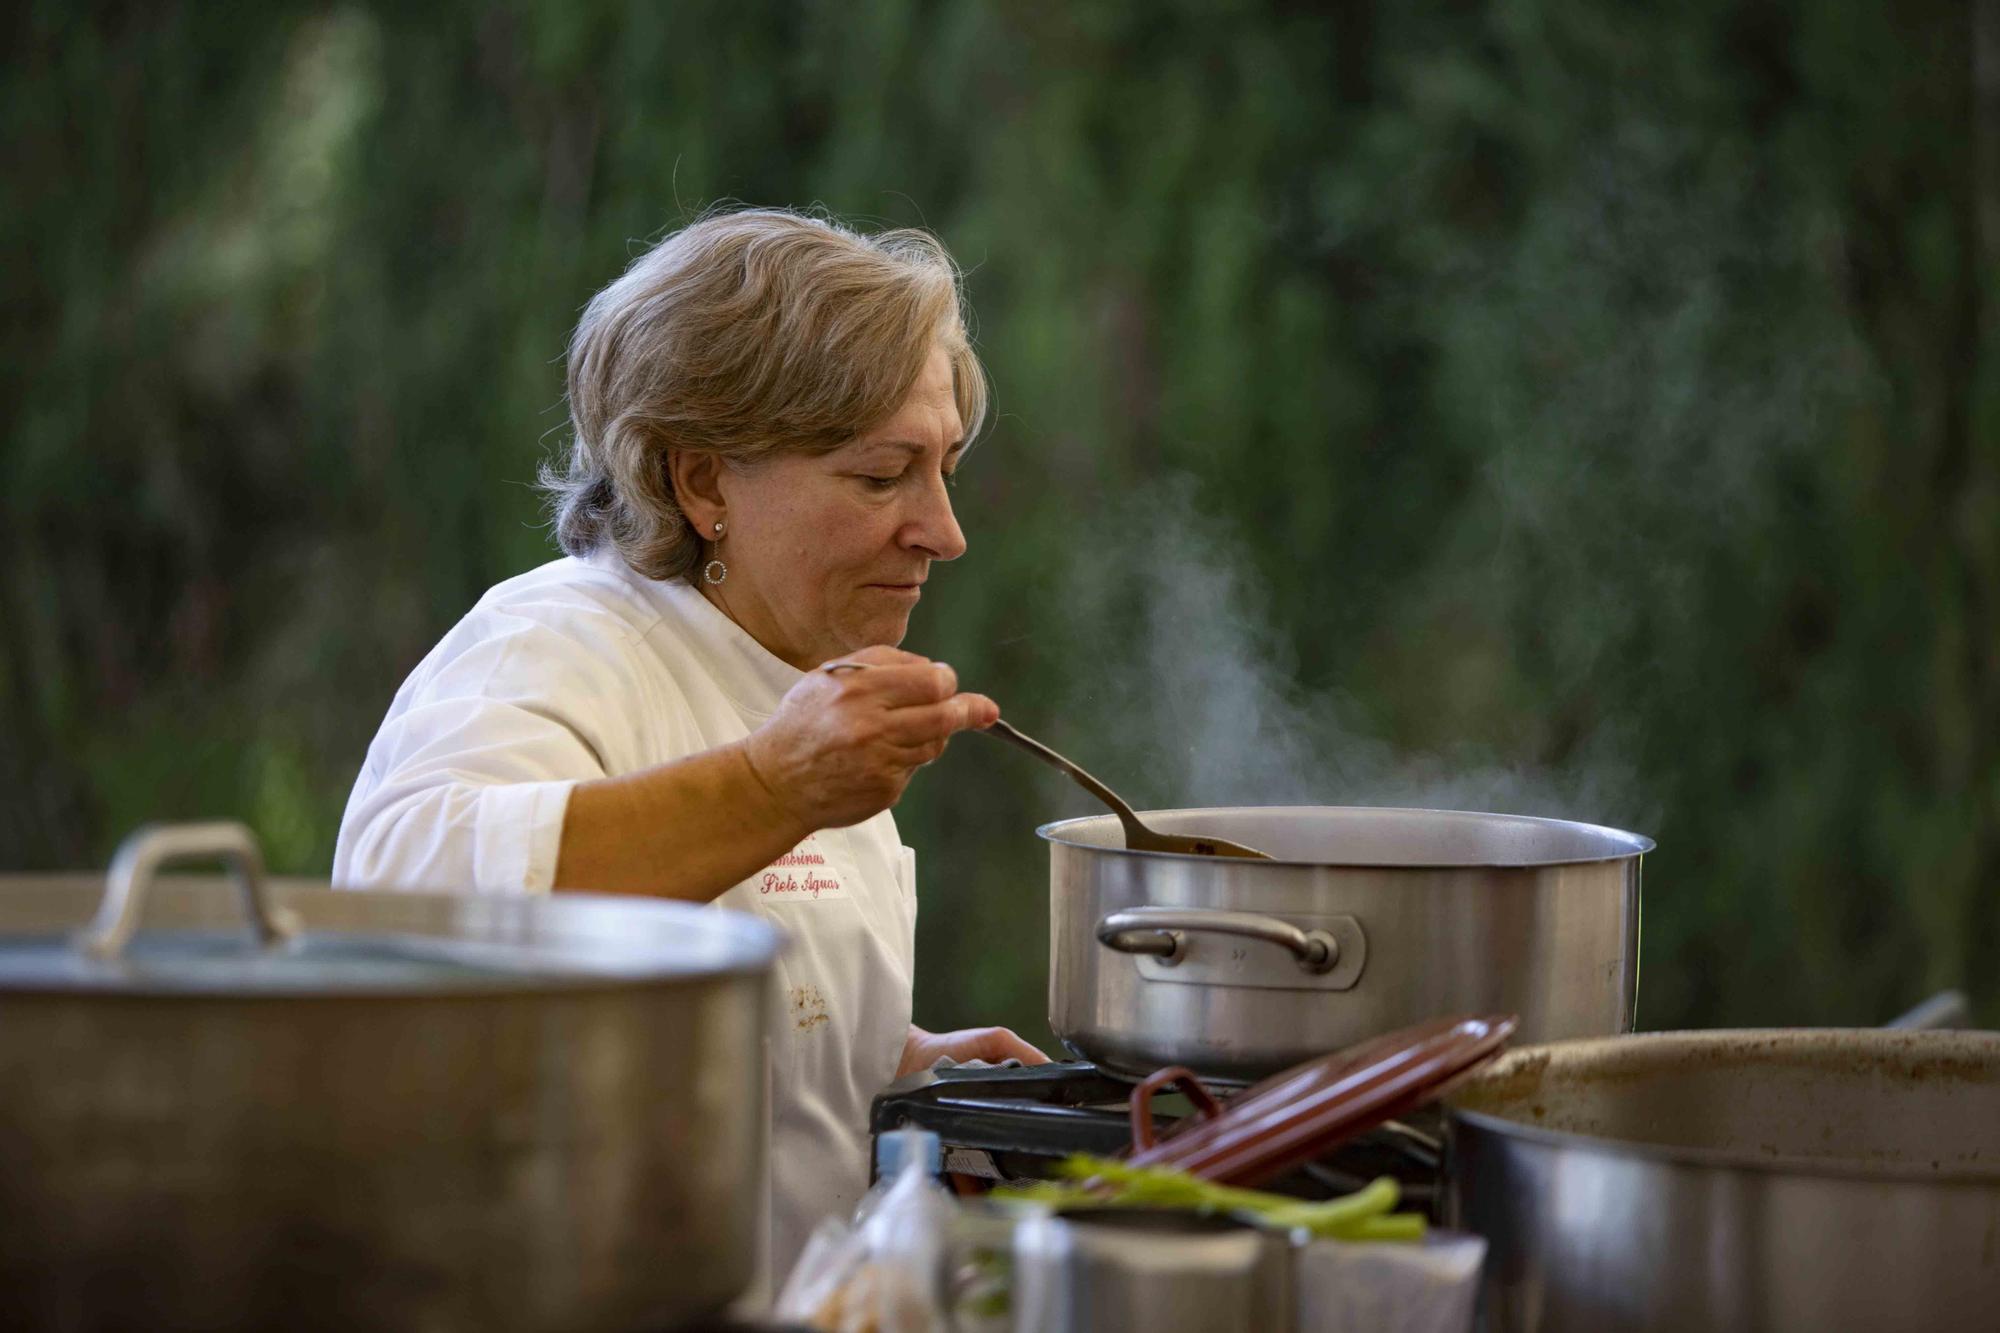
column 894, row 1151
column 905, row 1223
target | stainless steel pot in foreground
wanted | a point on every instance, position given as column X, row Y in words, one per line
column 376, row 1110
column 1150, row 1270
column 1367, row 920
column 1769, row 1180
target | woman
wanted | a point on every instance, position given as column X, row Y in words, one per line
column 704, row 700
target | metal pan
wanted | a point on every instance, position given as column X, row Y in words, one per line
column 1773, row 1180
column 1366, row 921
column 241, row 1104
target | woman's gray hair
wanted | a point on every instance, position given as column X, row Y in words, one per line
column 744, row 335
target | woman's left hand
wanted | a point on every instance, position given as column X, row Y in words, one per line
column 924, row 1049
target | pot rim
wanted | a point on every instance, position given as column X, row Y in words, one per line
column 740, row 944
column 1822, row 1042
column 1635, row 844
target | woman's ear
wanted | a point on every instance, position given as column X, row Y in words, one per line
column 697, row 479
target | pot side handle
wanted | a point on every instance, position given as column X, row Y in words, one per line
column 149, row 849
column 1161, row 931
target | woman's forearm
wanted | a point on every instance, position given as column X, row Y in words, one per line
column 841, row 747
column 689, row 829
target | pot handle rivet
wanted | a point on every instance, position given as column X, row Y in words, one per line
column 142, row 856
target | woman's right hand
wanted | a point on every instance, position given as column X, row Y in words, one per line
column 843, row 745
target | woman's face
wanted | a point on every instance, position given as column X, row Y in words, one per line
column 829, row 554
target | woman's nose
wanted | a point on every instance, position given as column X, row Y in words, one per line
column 934, row 528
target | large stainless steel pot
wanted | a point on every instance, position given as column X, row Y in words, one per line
column 1769, row 1180
column 1367, row 920
column 376, row 1110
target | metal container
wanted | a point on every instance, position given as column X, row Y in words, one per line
column 371, row 1110
column 1367, row 920
column 1156, row 1270
column 1769, row 1180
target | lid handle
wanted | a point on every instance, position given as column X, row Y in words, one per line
column 1141, row 1105
column 148, row 849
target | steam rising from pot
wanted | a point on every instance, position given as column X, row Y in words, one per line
column 1192, row 694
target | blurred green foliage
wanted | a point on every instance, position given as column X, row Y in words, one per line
column 1545, row 405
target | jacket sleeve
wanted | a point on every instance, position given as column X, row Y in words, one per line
column 467, row 782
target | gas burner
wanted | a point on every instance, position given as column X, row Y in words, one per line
column 1001, row 1124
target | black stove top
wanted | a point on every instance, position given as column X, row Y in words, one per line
column 1015, row 1123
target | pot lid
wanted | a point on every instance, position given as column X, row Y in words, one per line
column 1314, row 1107
column 158, row 935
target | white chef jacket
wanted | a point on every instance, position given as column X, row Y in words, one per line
column 583, row 669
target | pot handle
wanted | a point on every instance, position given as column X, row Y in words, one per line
column 1162, row 931
column 1205, row 1105
column 141, row 857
